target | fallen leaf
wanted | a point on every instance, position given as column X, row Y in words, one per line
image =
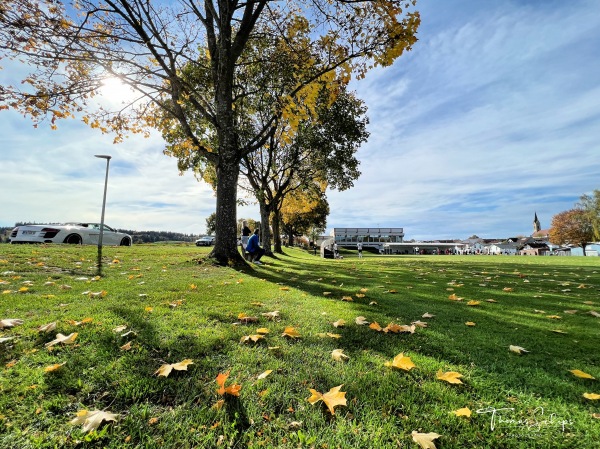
column 219, row 404
column 290, row 332
column 558, row 331
column 452, row 377
column 64, row 339
column 271, row 315
column 265, row 374
column 470, row 323
column 118, row 329
column 419, row 323
column 359, row 295
column 453, row 297
column 338, row 355
column 79, row 323
column 326, row 293
column 570, row 312
column 375, row 326
column 399, row 328
column 54, row 367
column 401, row 362
column 491, row 300
column 473, row 303
column 553, row 317
column 285, row 289
column 233, row 390
column 332, row 398
column 463, row 412
column 361, row 320
column 591, row 396
column 517, row 349
column 507, row 289
column 347, row 298
column 425, row 440
column 166, row 369
column 47, row 327
column 10, row 322
column 126, row 346
column 251, row 338
column 427, row 315
column 594, row 313
column 152, row 421
column 581, row 374
column 91, row 419
column 339, row 323
column 262, row 331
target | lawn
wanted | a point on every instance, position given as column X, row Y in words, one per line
column 159, row 305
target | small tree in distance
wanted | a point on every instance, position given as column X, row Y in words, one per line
column 572, row 227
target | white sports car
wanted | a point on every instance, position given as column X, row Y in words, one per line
column 73, row 233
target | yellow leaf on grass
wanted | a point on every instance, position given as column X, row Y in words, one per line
column 463, row 412
column 332, row 398
column 452, row 377
column 425, row 440
column 219, row 404
column 79, row 323
column 166, row 369
column 149, row 309
column 360, row 295
column 262, row 330
column 427, row 315
column 290, row 332
column 581, row 374
column 473, row 303
column 285, row 289
column 251, row 338
column 233, row 390
column 118, row 329
column 401, row 362
column 419, row 323
column 338, row 354
column 10, row 322
column 126, row 346
column 361, row 320
column 64, row 339
column 453, row 297
column 470, row 323
column 54, row 367
column 364, row 290
column 517, row 349
column 399, row 328
column 507, row 289
column 265, row 374
column 347, row 298
column 553, row 317
column 375, row 326
column 271, row 315
column 91, row 419
column 329, row 334
column 591, row 396
column 326, row 293
column 339, row 323
column 47, row 327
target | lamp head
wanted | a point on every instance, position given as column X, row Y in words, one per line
column 103, row 156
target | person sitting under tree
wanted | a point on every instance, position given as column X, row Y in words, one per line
column 253, row 248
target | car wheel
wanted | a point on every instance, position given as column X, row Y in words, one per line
column 125, row 242
column 73, row 239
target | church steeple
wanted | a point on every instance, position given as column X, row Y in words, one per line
column 537, row 227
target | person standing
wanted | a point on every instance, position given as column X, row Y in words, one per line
column 359, row 248
column 246, row 232
column 335, row 251
column 253, row 248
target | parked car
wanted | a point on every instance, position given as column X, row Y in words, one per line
column 205, row 241
column 73, row 233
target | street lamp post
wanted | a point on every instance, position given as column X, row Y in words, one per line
column 107, row 157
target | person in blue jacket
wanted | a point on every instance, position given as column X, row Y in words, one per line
column 254, row 249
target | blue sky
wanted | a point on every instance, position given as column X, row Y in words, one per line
column 493, row 116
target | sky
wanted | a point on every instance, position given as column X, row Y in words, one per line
column 492, row 117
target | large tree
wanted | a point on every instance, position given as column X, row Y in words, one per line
column 572, row 227
column 73, row 45
column 591, row 205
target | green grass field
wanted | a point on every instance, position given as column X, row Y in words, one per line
column 177, row 309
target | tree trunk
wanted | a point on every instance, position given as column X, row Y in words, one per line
column 265, row 229
column 225, row 249
column 277, row 232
